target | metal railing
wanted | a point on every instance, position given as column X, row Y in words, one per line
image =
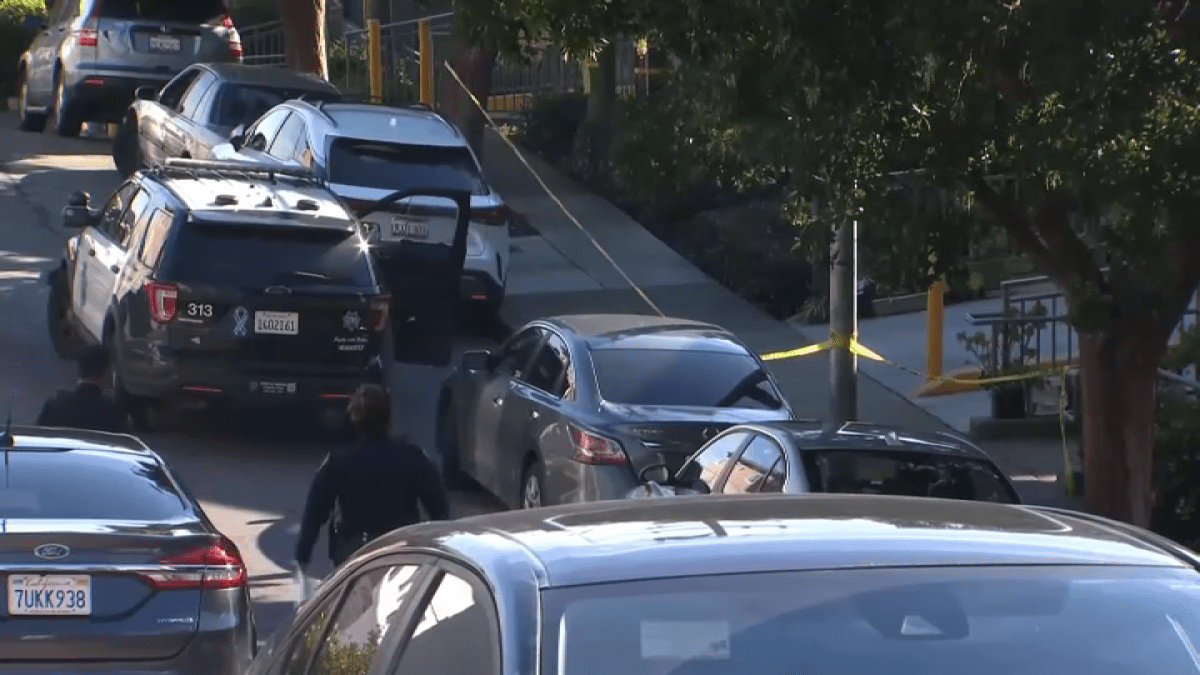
column 262, row 44
column 1034, row 317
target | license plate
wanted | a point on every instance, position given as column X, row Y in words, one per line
column 404, row 227
column 277, row 323
column 49, row 595
column 164, row 43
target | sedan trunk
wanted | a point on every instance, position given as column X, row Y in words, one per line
column 670, row 434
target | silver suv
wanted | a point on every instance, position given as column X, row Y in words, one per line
column 366, row 152
column 88, row 57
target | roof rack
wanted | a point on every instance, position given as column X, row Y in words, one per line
column 199, row 168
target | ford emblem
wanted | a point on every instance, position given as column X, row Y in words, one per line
column 51, row 551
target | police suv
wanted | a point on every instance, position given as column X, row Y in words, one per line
column 216, row 282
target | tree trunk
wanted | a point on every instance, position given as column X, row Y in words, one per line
column 474, row 65
column 602, row 99
column 1119, row 381
column 304, row 35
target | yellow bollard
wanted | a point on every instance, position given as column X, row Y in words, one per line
column 934, row 326
column 375, row 59
column 425, row 36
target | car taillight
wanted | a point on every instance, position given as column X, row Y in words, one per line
column 380, row 309
column 162, row 299
column 594, row 449
column 87, row 37
column 216, row 566
column 235, row 49
column 227, row 21
column 497, row 215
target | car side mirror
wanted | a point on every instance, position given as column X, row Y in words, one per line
column 479, row 360
column 80, row 198
column 238, row 137
column 32, row 25
column 654, row 473
column 146, row 93
column 77, row 217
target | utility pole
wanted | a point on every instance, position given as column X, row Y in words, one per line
column 843, row 323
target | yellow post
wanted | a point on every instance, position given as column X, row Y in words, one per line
column 425, row 35
column 375, row 59
column 589, row 69
column 934, row 326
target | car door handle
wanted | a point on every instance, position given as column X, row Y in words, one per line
column 114, row 268
column 533, row 415
column 92, row 252
column 497, row 401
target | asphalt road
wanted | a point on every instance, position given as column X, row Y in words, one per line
column 250, row 477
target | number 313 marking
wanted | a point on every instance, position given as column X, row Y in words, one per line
column 199, row 309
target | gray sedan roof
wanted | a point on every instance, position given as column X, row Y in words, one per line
column 639, row 539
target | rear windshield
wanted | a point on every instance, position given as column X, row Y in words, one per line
column 912, row 474
column 80, row 485
column 394, row 166
column 252, row 256
column 244, row 103
column 192, row 11
column 685, row 378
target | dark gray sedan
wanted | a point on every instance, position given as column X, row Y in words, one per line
column 845, row 584
column 572, row 407
column 806, row 456
column 109, row 564
column 201, row 106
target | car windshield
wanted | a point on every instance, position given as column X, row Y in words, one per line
column 1025, row 620
column 913, row 474
column 244, row 103
column 194, row 11
column 253, row 256
column 396, row 166
column 684, row 378
column 80, row 485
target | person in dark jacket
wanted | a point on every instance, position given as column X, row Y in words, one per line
column 87, row 407
column 371, row 488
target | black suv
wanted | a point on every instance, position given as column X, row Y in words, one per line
column 217, row 282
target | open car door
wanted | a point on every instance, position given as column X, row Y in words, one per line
column 424, row 275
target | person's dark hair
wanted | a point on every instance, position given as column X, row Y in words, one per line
column 371, row 411
column 93, row 362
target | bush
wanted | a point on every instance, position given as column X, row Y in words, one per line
column 14, row 42
column 550, row 125
column 349, row 71
column 1177, row 448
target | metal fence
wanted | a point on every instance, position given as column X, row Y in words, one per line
column 514, row 83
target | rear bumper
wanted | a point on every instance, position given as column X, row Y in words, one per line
column 216, row 382
column 479, row 288
column 101, row 97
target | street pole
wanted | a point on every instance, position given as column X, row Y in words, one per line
column 843, row 323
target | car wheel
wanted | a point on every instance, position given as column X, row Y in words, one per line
column 27, row 121
column 533, row 485
column 143, row 413
column 63, row 335
column 126, row 153
column 447, row 442
column 66, row 121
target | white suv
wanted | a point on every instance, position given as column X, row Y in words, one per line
column 366, row 152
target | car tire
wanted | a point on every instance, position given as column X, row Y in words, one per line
column 448, row 449
column 126, row 153
column 27, row 121
column 64, row 337
column 66, row 121
column 141, row 411
column 533, row 485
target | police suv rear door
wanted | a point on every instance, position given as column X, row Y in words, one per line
column 276, row 297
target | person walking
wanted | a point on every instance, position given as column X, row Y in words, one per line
column 87, row 406
column 370, row 488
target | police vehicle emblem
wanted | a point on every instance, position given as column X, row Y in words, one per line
column 352, row 321
column 52, row 551
column 240, row 317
